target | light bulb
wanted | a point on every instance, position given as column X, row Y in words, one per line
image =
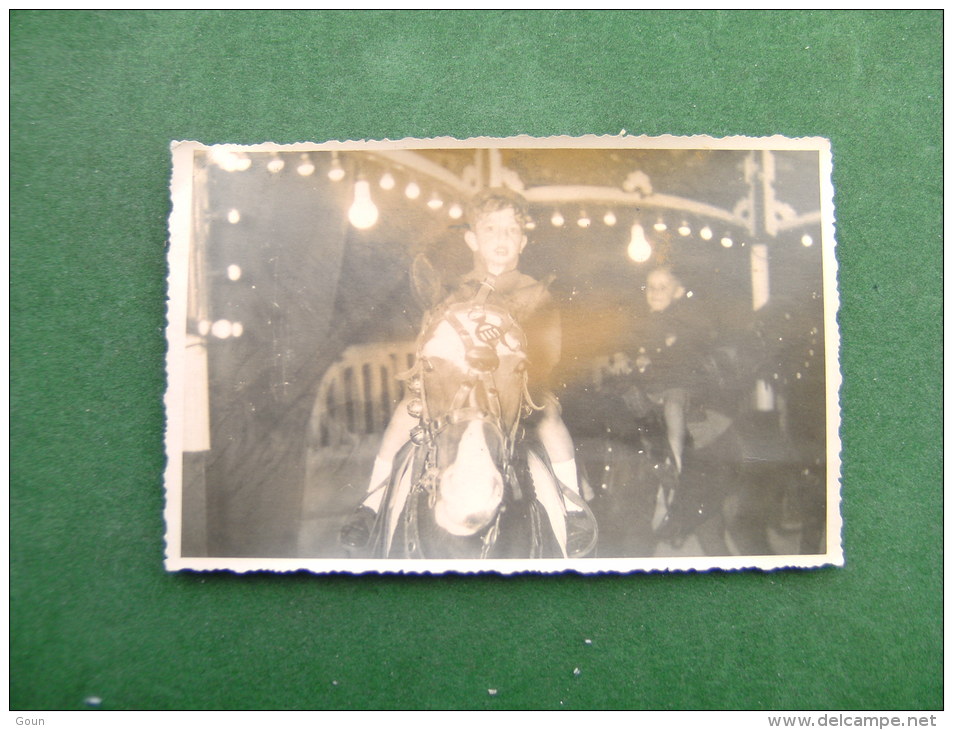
column 222, row 329
column 335, row 172
column 609, row 218
column 412, row 191
column 807, row 241
column 584, row 220
column 234, row 272
column 276, row 164
column 639, row 249
column 727, row 242
column 234, row 216
column 530, row 225
column 387, row 181
column 435, row 203
column 705, row 233
column 237, row 329
column 660, row 225
column 684, row 229
column 230, row 161
column 455, row 211
column 362, row 213
column 306, row 167
column 557, row 219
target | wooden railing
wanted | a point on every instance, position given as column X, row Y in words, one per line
column 358, row 393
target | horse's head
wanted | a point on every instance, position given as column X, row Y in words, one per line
column 472, row 382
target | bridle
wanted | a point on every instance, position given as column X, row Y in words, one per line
column 481, row 329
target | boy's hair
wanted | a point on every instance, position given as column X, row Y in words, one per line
column 491, row 200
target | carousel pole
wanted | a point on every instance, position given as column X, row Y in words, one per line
column 197, row 436
column 196, row 429
column 495, row 167
column 760, row 175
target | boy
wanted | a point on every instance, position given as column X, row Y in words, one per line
column 496, row 237
column 665, row 350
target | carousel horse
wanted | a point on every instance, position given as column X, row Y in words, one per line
column 469, row 484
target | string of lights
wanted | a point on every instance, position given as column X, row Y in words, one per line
column 651, row 225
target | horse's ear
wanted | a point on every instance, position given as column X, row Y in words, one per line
column 427, row 284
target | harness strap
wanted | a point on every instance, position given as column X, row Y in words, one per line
column 490, row 537
column 460, row 330
column 486, row 287
column 459, row 415
column 462, row 396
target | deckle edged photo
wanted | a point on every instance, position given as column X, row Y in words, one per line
column 596, row 354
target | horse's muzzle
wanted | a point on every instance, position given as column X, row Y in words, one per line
column 470, row 490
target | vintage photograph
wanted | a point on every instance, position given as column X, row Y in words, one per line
column 595, row 354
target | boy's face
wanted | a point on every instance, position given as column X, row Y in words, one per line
column 661, row 289
column 497, row 239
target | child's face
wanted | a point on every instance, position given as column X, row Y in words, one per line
column 661, row 289
column 498, row 240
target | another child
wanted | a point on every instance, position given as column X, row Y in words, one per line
column 496, row 237
column 663, row 353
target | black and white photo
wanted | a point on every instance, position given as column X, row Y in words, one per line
column 596, row 354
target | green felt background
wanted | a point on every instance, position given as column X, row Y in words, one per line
column 96, row 98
